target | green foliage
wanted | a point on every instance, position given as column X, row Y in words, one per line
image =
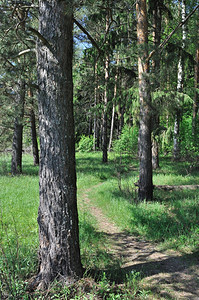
column 128, row 140
column 85, row 144
column 189, row 143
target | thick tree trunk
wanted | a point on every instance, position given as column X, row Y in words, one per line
column 180, row 81
column 16, row 163
column 35, row 149
column 59, row 251
column 145, row 173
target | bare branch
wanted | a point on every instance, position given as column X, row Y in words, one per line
column 88, row 35
column 41, row 38
column 25, row 52
column 7, row 60
column 161, row 46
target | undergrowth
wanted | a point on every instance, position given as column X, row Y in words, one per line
column 171, row 220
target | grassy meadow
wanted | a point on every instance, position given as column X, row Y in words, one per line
column 171, row 220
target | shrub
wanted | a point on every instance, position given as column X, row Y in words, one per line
column 85, row 144
column 128, row 141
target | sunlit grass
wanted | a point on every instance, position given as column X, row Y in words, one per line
column 171, row 219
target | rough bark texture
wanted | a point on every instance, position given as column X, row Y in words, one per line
column 16, row 162
column 145, row 172
column 59, row 251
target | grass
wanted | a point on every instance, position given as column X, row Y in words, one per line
column 171, row 220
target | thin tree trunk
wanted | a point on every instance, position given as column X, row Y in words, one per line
column 16, row 163
column 113, row 110
column 95, row 104
column 121, row 117
column 180, row 80
column 195, row 121
column 98, row 134
column 157, row 16
column 35, row 149
column 112, row 127
column 104, row 122
column 145, row 190
column 59, row 251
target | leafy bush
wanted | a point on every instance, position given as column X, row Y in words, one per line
column 128, row 140
column 85, row 144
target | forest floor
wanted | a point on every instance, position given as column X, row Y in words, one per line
column 167, row 274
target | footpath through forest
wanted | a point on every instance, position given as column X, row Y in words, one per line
column 168, row 274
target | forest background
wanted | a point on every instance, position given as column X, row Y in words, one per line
column 105, row 75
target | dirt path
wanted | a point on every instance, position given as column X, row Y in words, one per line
column 168, row 274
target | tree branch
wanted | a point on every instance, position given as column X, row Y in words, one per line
column 7, row 60
column 41, row 38
column 24, row 52
column 161, row 46
column 94, row 43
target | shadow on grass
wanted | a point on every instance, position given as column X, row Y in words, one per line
column 176, row 274
column 94, row 246
column 140, row 259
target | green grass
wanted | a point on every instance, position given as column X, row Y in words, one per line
column 171, row 220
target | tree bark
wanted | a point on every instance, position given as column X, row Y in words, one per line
column 16, row 162
column 59, row 250
column 145, row 171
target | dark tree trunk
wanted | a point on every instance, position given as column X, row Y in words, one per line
column 59, row 251
column 121, row 117
column 35, row 149
column 196, row 95
column 16, row 163
column 145, row 173
column 98, row 134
